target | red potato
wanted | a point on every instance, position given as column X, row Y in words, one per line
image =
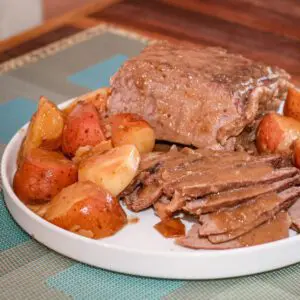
column 45, row 129
column 292, row 104
column 82, row 128
column 132, row 129
column 113, row 170
column 98, row 98
column 276, row 134
column 42, row 175
column 296, row 154
column 86, row 209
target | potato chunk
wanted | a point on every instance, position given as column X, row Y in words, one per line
column 277, row 133
column 83, row 128
column 113, row 170
column 42, row 175
column 132, row 129
column 86, row 209
column 292, row 104
column 45, row 129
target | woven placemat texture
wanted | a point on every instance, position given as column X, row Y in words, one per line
column 29, row 270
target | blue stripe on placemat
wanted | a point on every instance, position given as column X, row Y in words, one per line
column 85, row 282
column 10, row 233
column 98, row 75
column 13, row 115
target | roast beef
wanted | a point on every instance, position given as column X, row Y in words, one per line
column 197, row 96
column 276, row 228
column 294, row 212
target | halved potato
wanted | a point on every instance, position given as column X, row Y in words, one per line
column 113, row 170
column 98, row 98
column 292, row 104
column 277, row 133
column 45, row 129
column 86, row 209
column 83, row 128
column 42, row 175
column 129, row 128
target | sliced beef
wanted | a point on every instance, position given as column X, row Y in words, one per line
column 294, row 212
column 274, row 229
column 229, row 224
column 195, row 185
column 214, row 202
column 194, row 95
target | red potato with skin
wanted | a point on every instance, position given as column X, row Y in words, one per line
column 276, row 134
column 129, row 128
column 42, row 175
column 82, row 128
column 296, row 154
column 86, row 209
column 292, row 104
column 45, row 129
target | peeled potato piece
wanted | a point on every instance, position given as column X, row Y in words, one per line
column 277, row 133
column 132, row 129
column 86, row 209
column 98, row 98
column 83, row 128
column 113, row 170
column 42, row 175
column 45, row 129
column 292, row 104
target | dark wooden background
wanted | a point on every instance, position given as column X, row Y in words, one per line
column 267, row 30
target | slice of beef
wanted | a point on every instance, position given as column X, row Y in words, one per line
column 294, row 212
column 143, row 198
column 214, row 202
column 195, row 185
column 194, row 95
column 276, row 228
column 233, row 222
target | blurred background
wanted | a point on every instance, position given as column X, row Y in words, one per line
column 17, row 16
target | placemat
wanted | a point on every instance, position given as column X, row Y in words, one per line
column 29, row 270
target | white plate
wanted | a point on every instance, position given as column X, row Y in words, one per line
column 138, row 249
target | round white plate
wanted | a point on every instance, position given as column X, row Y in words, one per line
column 139, row 249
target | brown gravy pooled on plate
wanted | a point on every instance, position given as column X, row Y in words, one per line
column 170, row 228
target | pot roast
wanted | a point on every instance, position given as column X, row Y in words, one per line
column 198, row 96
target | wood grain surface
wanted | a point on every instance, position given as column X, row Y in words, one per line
column 263, row 30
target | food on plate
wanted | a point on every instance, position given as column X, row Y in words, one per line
column 274, row 229
column 45, row 129
column 132, row 129
column 83, row 128
column 170, row 228
column 113, row 170
column 42, row 175
column 98, row 98
column 86, row 209
column 294, row 212
column 85, row 152
column 229, row 193
column 292, row 104
column 276, row 134
column 194, row 95
column 296, row 153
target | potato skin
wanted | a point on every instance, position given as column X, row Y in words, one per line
column 42, row 175
column 292, row 104
column 45, row 129
column 82, row 128
column 129, row 128
column 86, row 209
column 113, row 170
column 276, row 134
column 296, row 154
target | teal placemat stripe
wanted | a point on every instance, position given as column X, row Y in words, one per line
column 98, row 75
column 10, row 232
column 85, row 282
column 13, row 115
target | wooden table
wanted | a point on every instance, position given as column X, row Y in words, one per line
column 262, row 30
